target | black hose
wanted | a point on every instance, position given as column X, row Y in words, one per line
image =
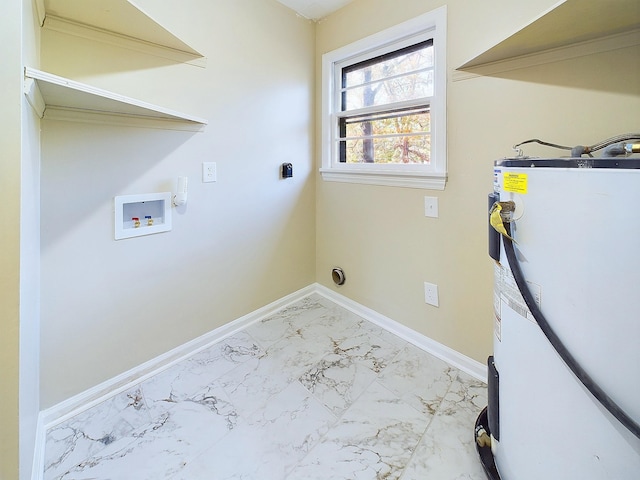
column 595, row 390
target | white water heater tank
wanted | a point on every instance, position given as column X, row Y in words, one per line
column 576, row 227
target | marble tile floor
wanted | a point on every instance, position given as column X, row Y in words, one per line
column 311, row 392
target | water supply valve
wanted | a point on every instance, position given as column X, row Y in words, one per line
column 501, row 213
column 506, row 210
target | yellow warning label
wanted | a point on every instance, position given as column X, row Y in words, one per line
column 515, row 182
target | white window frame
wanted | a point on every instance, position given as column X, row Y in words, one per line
column 433, row 176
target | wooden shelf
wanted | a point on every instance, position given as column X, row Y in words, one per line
column 567, row 24
column 117, row 22
column 59, row 98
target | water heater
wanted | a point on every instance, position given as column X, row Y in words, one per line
column 572, row 227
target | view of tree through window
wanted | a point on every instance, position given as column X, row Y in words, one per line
column 385, row 108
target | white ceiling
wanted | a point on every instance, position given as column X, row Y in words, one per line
column 315, row 9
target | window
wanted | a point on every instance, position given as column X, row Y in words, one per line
column 384, row 118
column 384, row 112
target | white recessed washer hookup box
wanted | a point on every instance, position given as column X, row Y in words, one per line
column 145, row 214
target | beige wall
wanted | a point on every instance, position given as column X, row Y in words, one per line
column 10, row 79
column 379, row 235
column 239, row 244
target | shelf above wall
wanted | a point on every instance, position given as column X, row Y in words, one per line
column 58, row 98
column 116, row 22
column 569, row 29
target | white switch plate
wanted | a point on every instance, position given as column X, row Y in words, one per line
column 209, row 172
column 431, row 294
column 431, row 207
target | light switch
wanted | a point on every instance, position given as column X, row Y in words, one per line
column 431, row 207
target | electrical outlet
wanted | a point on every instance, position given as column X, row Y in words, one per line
column 431, row 207
column 431, row 294
column 209, row 172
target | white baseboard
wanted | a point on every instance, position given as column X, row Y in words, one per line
column 449, row 355
column 85, row 400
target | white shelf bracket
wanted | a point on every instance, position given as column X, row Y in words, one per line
column 34, row 96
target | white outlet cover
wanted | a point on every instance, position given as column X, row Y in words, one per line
column 209, row 172
column 431, row 294
column 431, row 207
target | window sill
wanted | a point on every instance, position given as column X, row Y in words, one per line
column 430, row 181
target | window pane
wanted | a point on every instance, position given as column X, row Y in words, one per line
column 403, row 61
column 405, row 74
column 410, row 87
column 399, row 150
column 396, row 137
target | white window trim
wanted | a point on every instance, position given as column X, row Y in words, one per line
column 433, row 176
